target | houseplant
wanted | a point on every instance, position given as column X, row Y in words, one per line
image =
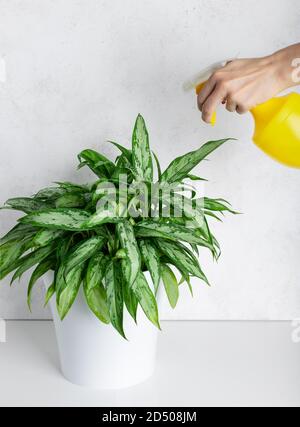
column 95, row 243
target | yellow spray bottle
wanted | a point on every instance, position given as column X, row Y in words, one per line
column 277, row 127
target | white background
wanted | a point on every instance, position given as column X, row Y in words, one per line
column 79, row 71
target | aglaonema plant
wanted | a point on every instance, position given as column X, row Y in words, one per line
column 106, row 240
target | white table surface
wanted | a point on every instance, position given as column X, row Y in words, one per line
column 199, row 364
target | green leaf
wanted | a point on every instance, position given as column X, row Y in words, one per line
column 30, row 260
column 10, row 252
column 50, row 193
column 146, row 299
column 60, row 280
column 171, row 285
column 121, row 254
column 98, row 163
column 151, row 260
column 196, row 178
column 195, row 249
column 217, row 205
column 185, row 207
column 212, row 215
column 25, row 204
column 83, row 251
column 70, row 187
column 18, row 233
column 49, row 294
column 208, row 236
column 170, row 231
column 124, row 161
column 120, row 172
column 97, row 301
column 108, row 216
column 186, row 278
column 63, row 247
column 130, row 300
column 45, row 237
column 182, row 258
column 217, row 245
column 127, row 153
column 128, row 242
column 159, row 172
column 70, row 291
column 115, row 296
column 180, row 168
column 95, row 271
column 71, row 200
column 142, row 160
column 40, row 270
column 62, row 219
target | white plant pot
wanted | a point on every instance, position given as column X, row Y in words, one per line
column 95, row 355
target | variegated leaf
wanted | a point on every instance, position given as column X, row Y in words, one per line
column 49, row 294
column 180, row 168
column 70, row 200
column 171, row 285
column 151, row 260
column 130, row 299
column 141, row 153
column 18, row 233
column 10, row 252
column 62, row 219
column 95, row 271
column 30, row 260
column 45, row 237
column 108, row 216
column 217, row 205
column 127, row 153
column 132, row 263
column 70, row 291
column 115, row 296
column 50, row 193
column 98, row 163
column 146, row 299
column 97, row 301
column 170, row 231
column 159, row 172
column 83, row 251
column 179, row 256
column 40, row 270
column 70, row 187
column 27, row 205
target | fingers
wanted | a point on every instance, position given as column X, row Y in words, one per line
column 231, row 105
column 213, row 94
column 225, row 87
column 212, row 102
column 242, row 109
column 206, row 92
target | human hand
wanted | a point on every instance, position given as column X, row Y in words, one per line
column 245, row 83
